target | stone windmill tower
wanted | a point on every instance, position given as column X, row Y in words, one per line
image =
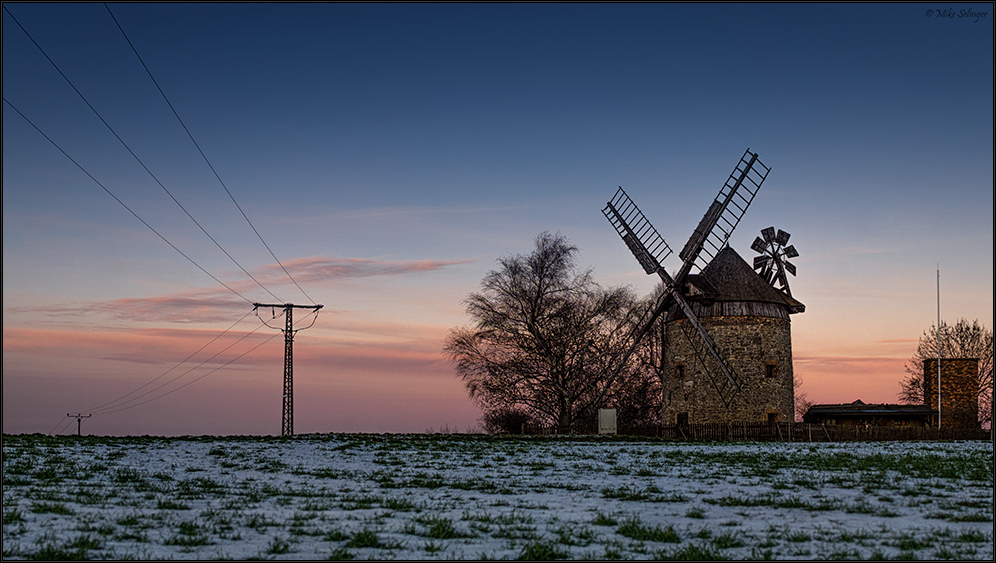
column 748, row 319
column 727, row 347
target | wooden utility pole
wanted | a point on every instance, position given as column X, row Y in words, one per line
column 79, row 420
column 287, row 425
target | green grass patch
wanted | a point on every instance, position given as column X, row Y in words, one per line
column 52, row 508
column 691, row 552
column 542, row 551
column 633, row 528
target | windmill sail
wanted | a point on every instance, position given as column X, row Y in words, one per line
column 709, row 238
column 723, row 216
column 636, row 231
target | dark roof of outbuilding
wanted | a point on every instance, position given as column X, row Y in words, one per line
column 858, row 408
column 729, row 278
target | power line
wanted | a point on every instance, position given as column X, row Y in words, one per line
column 185, row 360
column 206, row 160
column 121, row 400
column 191, row 260
column 136, row 215
column 135, row 156
column 120, row 407
column 103, row 409
column 191, row 382
column 61, row 422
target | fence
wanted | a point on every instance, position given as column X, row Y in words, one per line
column 776, row 432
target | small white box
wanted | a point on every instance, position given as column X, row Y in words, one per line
column 606, row 421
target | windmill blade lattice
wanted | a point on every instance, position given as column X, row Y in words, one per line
column 723, row 216
column 650, row 250
column 773, row 264
column 643, row 240
column 710, row 236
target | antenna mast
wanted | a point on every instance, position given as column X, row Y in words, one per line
column 938, row 347
column 287, row 426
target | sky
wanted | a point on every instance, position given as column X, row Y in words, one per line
column 389, row 155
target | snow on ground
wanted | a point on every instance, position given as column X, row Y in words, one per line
column 472, row 497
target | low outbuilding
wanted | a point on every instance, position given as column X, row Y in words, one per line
column 859, row 413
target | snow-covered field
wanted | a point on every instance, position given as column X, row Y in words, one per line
column 472, row 497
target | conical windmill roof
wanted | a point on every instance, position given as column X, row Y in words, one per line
column 729, row 278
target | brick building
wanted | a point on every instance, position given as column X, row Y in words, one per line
column 749, row 321
column 959, row 390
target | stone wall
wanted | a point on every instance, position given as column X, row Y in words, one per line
column 959, row 390
column 758, row 349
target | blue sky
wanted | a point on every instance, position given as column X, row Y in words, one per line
column 392, row 153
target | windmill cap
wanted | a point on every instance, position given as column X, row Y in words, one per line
column 729, row 278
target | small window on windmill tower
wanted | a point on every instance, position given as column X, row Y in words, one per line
column 679, row 371
column 769, row 370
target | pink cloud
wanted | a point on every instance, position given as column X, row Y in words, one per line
column 361, row 325
column 140, row 346
column 178, row 308
column 409, row 350
column 318, row 269
column 217, row 305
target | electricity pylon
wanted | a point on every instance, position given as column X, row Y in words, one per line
column 79, row 420
column 287, row 427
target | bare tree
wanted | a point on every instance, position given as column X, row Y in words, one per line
column 963, row 340
column 638, row 394
column 802, row 402
column 545, row 338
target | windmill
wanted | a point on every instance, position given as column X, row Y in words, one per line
column 772, row 264
column 706, row 242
